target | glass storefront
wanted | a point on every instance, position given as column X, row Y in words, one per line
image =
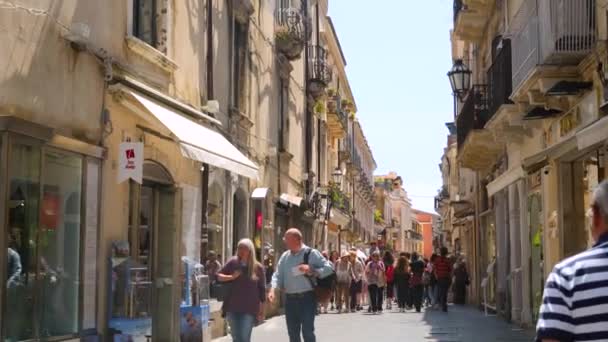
column 44, row 236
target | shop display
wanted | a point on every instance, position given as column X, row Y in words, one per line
column 194, row 311
column 130, row 296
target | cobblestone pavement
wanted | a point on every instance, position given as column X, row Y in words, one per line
column 460, row 324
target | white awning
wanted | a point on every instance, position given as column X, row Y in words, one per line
column 295, row 200
column 200, row 143
column 259, row 193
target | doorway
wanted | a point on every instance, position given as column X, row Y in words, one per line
column 154, row 246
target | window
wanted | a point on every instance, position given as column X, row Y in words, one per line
column 144, row 21
column 44, row 234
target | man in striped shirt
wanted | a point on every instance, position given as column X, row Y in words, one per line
column 443, row 274
column 575, row 303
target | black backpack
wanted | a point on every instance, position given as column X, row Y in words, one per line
column 326, row 283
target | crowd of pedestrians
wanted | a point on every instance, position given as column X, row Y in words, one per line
column 384, row 279
column 313, row 282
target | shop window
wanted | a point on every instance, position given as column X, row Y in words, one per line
column 44, row 234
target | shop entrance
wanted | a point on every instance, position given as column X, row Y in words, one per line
column 579, row 178
column 154, row 245
column 44, row 192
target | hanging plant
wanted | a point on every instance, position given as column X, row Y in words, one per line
column 319, row 107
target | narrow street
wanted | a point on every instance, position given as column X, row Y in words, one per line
column 461, row 324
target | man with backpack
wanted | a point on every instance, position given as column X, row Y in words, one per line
column 300, row 271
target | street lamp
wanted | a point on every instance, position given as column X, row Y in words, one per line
column 460, row 78
column 337, row 177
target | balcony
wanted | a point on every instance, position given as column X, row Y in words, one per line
column 477, row 149
column 290, row 29
column 347, row 150
column 550, row 39
column 471, row 17
column 337, row 118
column 319, row 72
column 499, row 78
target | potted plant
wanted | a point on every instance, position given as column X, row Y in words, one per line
column 331, row 93
column 319, row 107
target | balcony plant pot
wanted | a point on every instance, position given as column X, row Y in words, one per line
column 289, row 42
column 332, row 105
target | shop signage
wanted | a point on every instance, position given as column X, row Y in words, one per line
column 131, row 161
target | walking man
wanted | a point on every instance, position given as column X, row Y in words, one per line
column 296, row 279
column 574, row 303
column 443, row 273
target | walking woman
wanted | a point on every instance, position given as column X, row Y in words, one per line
column 243, row 305
column 461, row 281
column 344, row 275
column 402, row 282
column 356, row 285
column 416, row 286
column 389, row 263
column 375, row 281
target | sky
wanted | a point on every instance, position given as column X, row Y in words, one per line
column 397, row 54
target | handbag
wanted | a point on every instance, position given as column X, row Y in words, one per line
column 222, row 290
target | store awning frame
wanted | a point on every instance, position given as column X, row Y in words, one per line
column 198, row 142
column 504, row 180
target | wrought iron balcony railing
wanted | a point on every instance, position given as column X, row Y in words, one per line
column 551, row 32
column 318, row 67
column 290, row 32
column 499, row 78
column 474, row 113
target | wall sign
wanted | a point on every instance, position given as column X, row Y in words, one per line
column 131, row 161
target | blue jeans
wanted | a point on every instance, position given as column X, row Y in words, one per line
column 300, row 314
column 241, row 325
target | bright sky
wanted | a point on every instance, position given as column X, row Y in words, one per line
column 398, row 54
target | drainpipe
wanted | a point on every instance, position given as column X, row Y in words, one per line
column 308, row 133
column 210, row 95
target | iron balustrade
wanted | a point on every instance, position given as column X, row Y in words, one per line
column 474, row 113
column 499, row 78
column 289, row 16
column 551, row 32
column 318, row 66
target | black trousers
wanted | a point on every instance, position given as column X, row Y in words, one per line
column 402, row 294
column 417, row 291
column 443, row 285
column 375, row 297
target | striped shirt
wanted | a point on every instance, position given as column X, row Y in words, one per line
column 575, row 301
column 443, row 268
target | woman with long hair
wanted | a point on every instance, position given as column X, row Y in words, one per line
column 244, row 303
column 389, row 262
column 402, row 281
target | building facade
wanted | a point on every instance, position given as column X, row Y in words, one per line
column 532, row 129
column 401, row 210
column 139, row 137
